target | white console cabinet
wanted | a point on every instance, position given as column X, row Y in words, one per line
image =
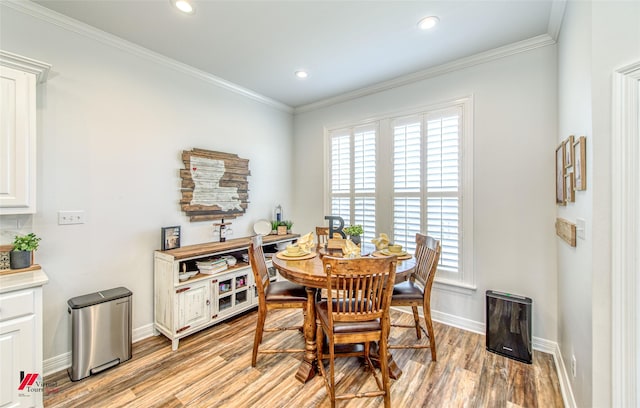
column 183, row 308
column 18, row 79
column 21, row 339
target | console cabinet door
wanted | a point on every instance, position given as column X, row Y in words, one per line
column 193, row 306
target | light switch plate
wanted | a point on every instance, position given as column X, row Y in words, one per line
column 70, row 217
column 581, row 225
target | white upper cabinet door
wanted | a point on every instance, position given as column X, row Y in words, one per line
column 18, row 78
column 17, row 142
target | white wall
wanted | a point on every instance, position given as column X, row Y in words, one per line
column 112, row 126
column 515, row 136
column 596, row 39
column 575, row 264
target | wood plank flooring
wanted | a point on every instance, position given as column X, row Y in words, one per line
column 213, row 369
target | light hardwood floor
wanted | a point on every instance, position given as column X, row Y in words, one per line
column 213, row 369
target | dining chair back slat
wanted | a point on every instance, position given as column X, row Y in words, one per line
column 427, row 256
column 322, row 235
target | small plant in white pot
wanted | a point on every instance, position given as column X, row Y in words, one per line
column 21, row 255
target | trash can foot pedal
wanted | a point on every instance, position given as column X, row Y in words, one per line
column 105, row 366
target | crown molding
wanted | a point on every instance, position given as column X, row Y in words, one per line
column 497, row 53
column 555, row 18
column 38, row 68
column 70, row 24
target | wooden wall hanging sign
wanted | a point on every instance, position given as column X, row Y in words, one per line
column 566, row 230
column 214, row 185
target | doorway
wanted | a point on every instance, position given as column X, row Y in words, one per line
column 625, row 240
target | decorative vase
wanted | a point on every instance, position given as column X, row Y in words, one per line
column 355, row 239
column 20, row 259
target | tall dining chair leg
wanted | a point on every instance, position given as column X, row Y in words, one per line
column 257, row 339
column 384, row 362
column 416, row 319
column 430, row 331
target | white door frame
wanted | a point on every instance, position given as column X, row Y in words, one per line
column 625, row 239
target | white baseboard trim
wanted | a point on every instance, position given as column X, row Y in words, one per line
column 563, row 378
column 63, row 361
column 142, row 333
column 540, row 344
column 57, row 363
column 459, row 322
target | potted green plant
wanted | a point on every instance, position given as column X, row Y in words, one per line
column 282, row 228
column 354, row 232
column 21, row 255
column 274, row 226
column 289, row 225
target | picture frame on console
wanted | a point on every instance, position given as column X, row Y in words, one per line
column 170, row 238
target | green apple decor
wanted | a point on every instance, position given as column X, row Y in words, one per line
column 22, row 253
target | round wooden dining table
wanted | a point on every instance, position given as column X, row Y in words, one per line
column 310, row 273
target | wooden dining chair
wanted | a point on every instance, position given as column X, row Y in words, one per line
column 408, row 293
column 322, row 235
column 272, row 295
column 356, row 311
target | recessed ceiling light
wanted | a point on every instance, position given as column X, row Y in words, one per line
column 183, row 5
column 302, row 74
column 428, row 22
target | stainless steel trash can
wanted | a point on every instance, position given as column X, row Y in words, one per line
column 100, row 331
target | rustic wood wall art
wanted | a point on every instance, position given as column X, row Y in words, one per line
column 566, row 230
column 568, row 151
column 560, row 172
column 214, row 185
column 570, row 196
column 580, row 166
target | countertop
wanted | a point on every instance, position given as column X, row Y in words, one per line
column 22, row 280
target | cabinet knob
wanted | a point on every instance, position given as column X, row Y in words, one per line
column 208, row 302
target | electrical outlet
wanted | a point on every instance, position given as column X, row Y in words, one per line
column 574, row 369
column 70, row 217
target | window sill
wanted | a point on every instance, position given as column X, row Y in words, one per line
column 454, row 286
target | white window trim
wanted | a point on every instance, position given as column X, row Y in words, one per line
column 466, row 284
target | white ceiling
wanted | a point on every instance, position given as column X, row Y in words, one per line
column 345, row 45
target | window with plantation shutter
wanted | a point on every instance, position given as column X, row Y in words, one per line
column 426, row 182
column 408, row 174
column 353, row 176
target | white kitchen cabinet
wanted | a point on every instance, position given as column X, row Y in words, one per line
column 21, row 339
column 183, row 308
column 18, row 92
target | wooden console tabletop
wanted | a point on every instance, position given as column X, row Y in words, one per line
column 191, row 251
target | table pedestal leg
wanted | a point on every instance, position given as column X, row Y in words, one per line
column 307, row 369
column 394, row 371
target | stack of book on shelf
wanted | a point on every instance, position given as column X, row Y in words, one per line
column 212, row 266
